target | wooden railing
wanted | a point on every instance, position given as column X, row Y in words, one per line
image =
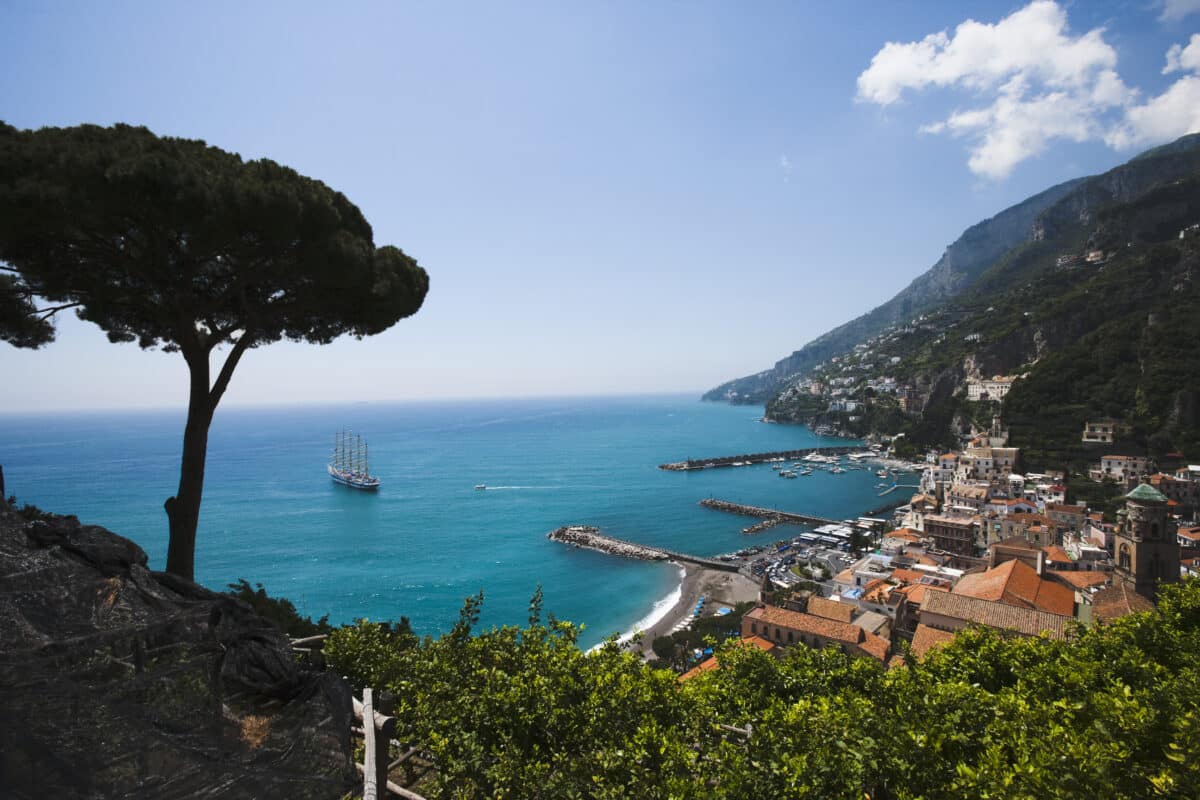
column 378, row 738
column 377, row 762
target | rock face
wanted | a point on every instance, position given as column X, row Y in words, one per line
column 116, row 681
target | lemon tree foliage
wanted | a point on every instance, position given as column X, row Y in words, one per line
column 175, row 244
column 1113, row 712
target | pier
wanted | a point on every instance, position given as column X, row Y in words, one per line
column 896, row 486
column 591, row 538
column 756, row 458
column 767, row 514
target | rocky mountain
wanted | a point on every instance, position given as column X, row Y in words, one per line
column 973, row 255
column 1092, row 317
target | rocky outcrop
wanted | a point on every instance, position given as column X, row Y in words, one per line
column 116, row 681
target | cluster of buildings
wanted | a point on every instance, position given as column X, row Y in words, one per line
column 982, row 544
column 915, row 590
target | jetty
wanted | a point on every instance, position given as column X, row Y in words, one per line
column 590, row 537
column 747, row 459
column 766, row 514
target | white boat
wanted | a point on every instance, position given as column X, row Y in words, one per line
column 350, row 463
column 479, row 487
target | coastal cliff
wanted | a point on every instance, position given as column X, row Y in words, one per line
column 989, row 257
column 116, row 681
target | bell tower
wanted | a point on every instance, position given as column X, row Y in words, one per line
column 1146, row 549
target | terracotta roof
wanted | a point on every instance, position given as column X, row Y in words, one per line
column 1057, row 555
column 1065, row 509
column 1018, row 584
column 1025, row 621
column 1116, row 601
column 806, row 623
column 917, row 592
column 907, row 575
column 927, row 637
column 1079, row 579
column 707, row 664
column 710, row 663
column 907, row 534
column 876, row 591
column 830, row 609
column 874, row 646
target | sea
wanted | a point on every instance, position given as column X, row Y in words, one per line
column 428, row 538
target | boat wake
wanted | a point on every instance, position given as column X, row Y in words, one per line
column 491, row 488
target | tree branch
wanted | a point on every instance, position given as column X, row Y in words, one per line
column 231, row 362
column 46, row 313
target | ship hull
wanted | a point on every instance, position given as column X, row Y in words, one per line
column 364, row 483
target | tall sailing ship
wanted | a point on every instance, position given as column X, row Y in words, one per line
column 350, row 464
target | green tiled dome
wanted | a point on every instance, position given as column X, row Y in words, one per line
column 1145, row 493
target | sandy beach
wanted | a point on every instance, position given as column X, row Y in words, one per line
column 718, row 587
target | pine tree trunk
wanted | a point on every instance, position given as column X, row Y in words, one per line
column 183, row 510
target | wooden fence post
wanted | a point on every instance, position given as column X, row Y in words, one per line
column 378, row 730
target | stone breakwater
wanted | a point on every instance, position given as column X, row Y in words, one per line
column 590, row 537
column 746, row 459
column 781, row 517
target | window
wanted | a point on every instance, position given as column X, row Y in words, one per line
column 1123, row 559
column 754, row 627
column 790, row 638
column 1154, row 531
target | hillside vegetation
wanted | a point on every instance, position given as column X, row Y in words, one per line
column 521, row 712
column 1113, row 337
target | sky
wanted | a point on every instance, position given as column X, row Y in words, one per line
column 609, row 197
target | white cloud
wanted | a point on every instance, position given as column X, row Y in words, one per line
column 1172, row 114
column 1184, row 59
column 1178, row 9
column 1032, row 82
column 1032, row 42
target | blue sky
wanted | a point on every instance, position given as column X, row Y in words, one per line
column 609, row 197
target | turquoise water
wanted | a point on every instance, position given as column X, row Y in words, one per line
column 428, row 539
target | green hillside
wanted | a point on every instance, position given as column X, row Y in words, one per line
column 1112, row 337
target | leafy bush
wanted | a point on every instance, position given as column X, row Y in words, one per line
column 1112, row 712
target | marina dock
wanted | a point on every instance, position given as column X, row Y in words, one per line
column 779, row 517
column 591, row 538
column 756, row 458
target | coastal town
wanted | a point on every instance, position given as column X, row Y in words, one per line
column 978, row 543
